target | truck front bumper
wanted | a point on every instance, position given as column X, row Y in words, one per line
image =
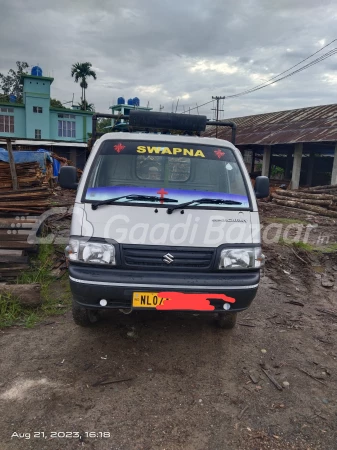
column 89, row 285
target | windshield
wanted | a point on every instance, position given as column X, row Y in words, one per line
column 181, row 171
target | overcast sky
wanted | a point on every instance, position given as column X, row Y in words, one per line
column 162, row 50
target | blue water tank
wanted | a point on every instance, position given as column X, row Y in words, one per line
column 12, row 98
column 36, row 71
column 130, row 102
column 121, row 101
column 136, row 101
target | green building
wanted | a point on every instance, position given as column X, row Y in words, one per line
column 34, row 124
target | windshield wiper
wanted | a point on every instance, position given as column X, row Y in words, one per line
column 146, row 198
column 212, row 201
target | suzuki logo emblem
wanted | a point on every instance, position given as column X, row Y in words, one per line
column 168, row 258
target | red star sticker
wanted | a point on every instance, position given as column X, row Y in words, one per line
column 119, row 147
column 219, row 153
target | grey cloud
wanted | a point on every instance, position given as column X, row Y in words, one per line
column 153, row 43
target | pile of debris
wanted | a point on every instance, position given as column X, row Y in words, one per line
column 319, row 199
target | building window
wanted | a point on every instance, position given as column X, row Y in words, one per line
column 37, row 134
column 66, row 116
column 6, row 124
column 66, row 128
column 8, row 110
column 37, row 109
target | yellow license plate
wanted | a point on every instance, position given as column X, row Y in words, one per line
column 146, row 300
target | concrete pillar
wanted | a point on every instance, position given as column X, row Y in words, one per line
column 266, row 160
column 334, row 168
column 295, row 179
column 310, row 171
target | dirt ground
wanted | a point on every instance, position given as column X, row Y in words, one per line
column 174, row 381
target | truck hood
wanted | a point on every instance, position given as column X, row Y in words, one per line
column 153, row 226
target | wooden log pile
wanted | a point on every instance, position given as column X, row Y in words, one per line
column 318, row 199
column 29, row 174
column 34, row 200
column 14, row 245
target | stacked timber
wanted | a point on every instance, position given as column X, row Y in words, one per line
column 34, row 200
column 29, row 174
column 318, row 199
column 15, row 245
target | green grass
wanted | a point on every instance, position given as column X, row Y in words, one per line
column 10, row 311
column 41, row 267
column 55, row 293
column 285, row 221
column 303, row 246
column 328, row 248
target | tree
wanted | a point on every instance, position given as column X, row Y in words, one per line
column 103, row 125
column 81, row 72
column 85, row 106
column 10, row 83
column 56, row 103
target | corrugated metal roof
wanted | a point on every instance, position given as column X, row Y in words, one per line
column 314, row 124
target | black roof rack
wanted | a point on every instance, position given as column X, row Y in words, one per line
column 146, row 120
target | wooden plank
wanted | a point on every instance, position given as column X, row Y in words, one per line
column 25, row 210
column 24, row 203
column 16, row 245
column 16, row 268
column 25, row 226
column 24, row 191
column 10, row 259
column 27, row 294
column 13, row 224
column 13, row 237
column 11, row 252
column 10, row 220
column 18, row 231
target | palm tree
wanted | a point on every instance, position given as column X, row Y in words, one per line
column 82, row 71
column 85, row 106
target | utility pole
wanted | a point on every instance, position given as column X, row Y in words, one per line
column 217, row 98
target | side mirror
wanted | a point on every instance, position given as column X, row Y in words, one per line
column 262, row 187
column 68, row 177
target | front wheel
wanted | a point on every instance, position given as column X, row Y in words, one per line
column 84, row 317
column 227, row 320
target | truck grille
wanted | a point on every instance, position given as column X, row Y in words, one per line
column 168, row 258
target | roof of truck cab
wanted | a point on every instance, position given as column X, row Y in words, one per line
column 166, row 138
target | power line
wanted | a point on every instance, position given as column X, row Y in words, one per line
column 312, row 63
column 276, row 77
column 200, row 106
column 292, row 67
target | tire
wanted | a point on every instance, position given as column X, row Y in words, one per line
column 227, row 321
column 84, row 317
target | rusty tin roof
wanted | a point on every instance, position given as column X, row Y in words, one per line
column 314, row 124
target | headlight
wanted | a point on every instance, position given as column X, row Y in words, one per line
column 82, row 250
column 241, row 258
